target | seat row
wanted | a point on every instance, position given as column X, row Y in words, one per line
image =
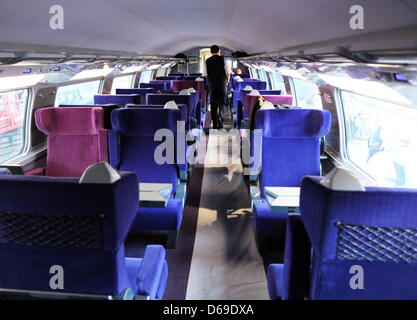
column 342, row 240
column 63, row 221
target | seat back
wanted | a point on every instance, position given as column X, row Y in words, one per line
column 142, row 92
column 107, row 110
column 168, row 83
column 81, row 228
column 374, row 229
column 136, row 128
column 120, row 99
column 290, row 144
column 76, row 139
column 249, row 102
column 168, row 78
column 190, row 100
column 156, row 86
column 199, row 86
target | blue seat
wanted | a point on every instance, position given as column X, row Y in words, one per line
column 142, row 92
column 156, row 86
column 51, row 223
column 168, row 83
column 132, row 149
column 192, row 102
column 119, row 99
column 290, row 150
column 373, row 229
column 107, row 110
column 238, row 86
column 183, row 108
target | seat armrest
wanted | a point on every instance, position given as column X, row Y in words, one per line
column 150, row 271
column 36, row 172
column 297, row 257
column 181, row 192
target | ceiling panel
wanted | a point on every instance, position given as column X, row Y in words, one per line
column 167, row 27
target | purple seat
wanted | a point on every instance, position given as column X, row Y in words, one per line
column 52, row 224
column 142, row 92
column 348, row 233
column 107, row 108
column 168, row 83
column 290, row 150
column 156, row 86
column 76, row 139
column 133, row 149
column 168, row 78
column 191, row 101
column 120, row 99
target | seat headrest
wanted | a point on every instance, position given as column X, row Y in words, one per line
column 144, row 121
column 254, row 93
column 184, row 92
column 5, row 171
column 240, row 80
column 199, row 79
column 248, row 88
column 279, row 99
column 267, row 106
column 237, row 77
column 293, row 123
column 343, row 180
column 70, row 121
column 171, row 105
column 191, row 90
column 101, row 173
column 120, row 99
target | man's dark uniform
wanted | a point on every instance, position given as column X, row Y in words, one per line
column 217, row 82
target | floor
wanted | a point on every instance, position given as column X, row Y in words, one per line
column 225, row 263
column 216, row 256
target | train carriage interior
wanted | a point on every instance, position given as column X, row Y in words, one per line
column 117, row 183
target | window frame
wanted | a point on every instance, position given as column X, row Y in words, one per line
column 132, row 81
column 26, row 127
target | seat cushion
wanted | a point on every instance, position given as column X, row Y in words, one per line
column 267, row 222
column 274, row 274
column 168, row 218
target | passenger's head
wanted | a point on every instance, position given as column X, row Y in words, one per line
column 215, row 49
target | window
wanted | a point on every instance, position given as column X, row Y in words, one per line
column 307, row 94
column 13, row 107
column 121, row 83
column 146, row 76
column 381, row 139
column 277, row 82
column 263, row 77
column 77, row 94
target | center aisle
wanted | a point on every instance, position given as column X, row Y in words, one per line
column 225, row 262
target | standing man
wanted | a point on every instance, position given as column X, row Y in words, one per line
column 218, row 77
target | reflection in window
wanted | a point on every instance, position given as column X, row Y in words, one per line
column 77, row 94
column 277, row 82
column 307, row 94
column 13, row 107
column 263, row 77
column 146, row 76
column 381, row 139
column 121, row 83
